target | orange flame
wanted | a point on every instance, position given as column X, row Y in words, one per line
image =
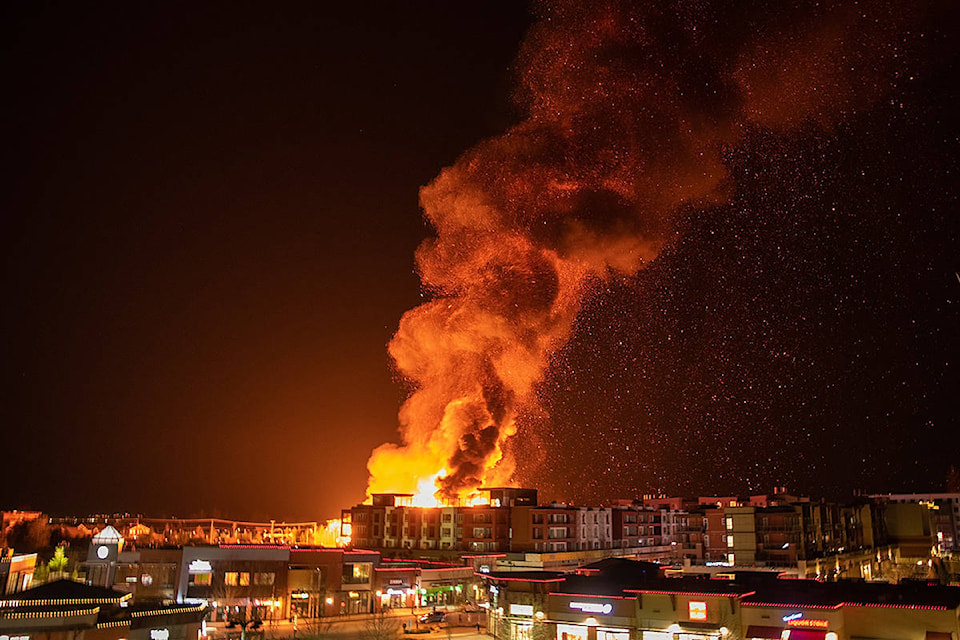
column 619, row 135
column 334, row 533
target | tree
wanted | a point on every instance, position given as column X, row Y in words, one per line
column 317, row 628
column 58, row 563
column 30, row 536
column 381, row 626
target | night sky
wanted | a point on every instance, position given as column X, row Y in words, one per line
column 211, row 214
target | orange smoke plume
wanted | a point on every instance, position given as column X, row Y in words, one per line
column 628, row 111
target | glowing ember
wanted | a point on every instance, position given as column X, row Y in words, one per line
column 618, row 138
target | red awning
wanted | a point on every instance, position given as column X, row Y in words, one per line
column 807, row 634
column 767, row 633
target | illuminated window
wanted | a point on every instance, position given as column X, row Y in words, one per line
column 202, row 579
column 244, row 579
column 230, row 578
column 730, row 558
column 729, row 523
column 730, row 541
column 697, row 610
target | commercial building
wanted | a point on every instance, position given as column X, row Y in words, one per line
column 625, row 600
column 67, row 610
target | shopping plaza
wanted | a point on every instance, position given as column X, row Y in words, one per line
column 619, row 599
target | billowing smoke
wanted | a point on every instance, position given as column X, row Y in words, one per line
column 629, row 107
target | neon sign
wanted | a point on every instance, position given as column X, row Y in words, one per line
column 804, row 623
column 592, row 607
column 793, row 616
column 200, row 566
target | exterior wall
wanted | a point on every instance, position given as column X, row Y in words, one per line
column 885, row 623
column 946, row 508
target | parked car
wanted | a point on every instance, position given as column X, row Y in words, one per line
column 433, row 616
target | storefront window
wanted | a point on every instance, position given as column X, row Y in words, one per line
column 571, row 632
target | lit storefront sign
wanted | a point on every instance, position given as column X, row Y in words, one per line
column 793, row 616
column 571, row 632
column 808, row 623
column 159, row 634
column 200, row 566
column 521, row 609
column 592, row 607
column 697, row 610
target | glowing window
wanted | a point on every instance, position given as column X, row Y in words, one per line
column 230, row 578
column 697, row 610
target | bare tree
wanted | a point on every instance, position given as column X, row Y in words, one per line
column 381, row 626
column 317, row 628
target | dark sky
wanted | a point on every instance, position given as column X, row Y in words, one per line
column 211, row 218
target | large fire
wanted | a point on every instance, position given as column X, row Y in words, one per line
column 628, row 110
column 334, row 533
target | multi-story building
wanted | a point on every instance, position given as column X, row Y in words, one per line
column 392, row 522
column 560, row 527
column 945, row 509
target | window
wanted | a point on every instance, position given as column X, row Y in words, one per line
column 203, row 579
column 538, row 533
column 357, row 572
column 264, row 578
column 446, row 517
column 446, row 532
column 231, row 578
column 729, row 524
column 730, row 541
column 244, row 579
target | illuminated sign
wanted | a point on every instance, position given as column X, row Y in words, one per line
column 697, row 610
column 521, row 610
column 146, row 579
column 494, row 590
column 808, row 623
column 200, row 566
column 159, row 634
column 793, row 616
column 592, row 607
column 300, row 596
